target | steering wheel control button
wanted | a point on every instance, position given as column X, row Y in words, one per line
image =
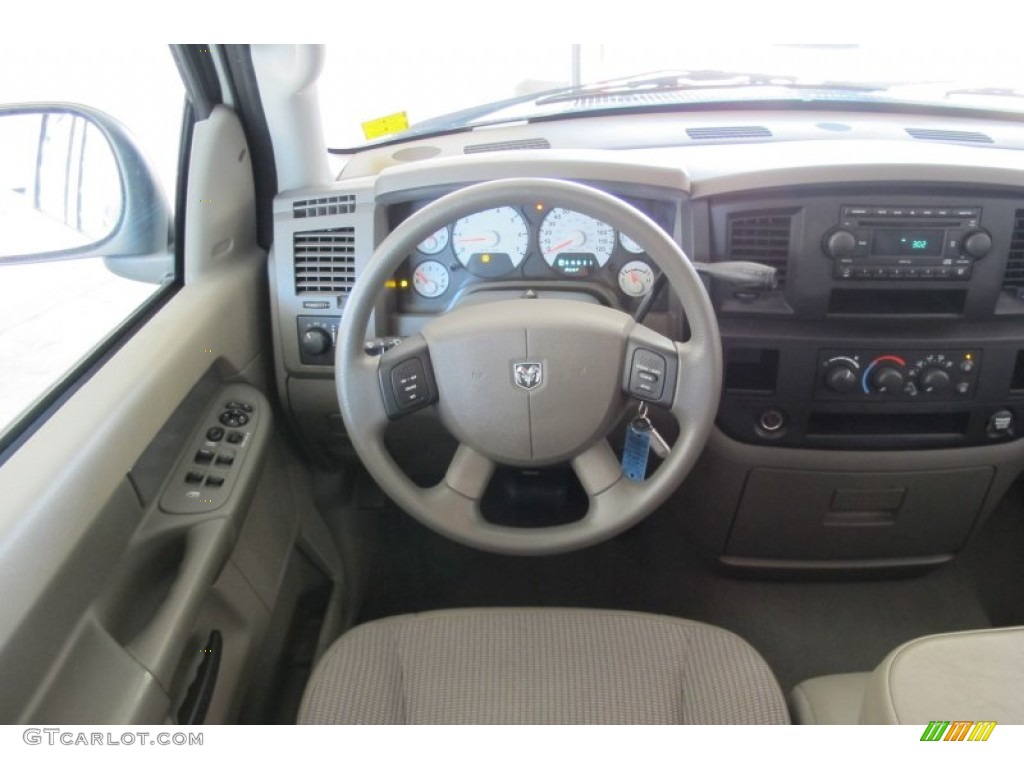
column 215, row 434
column 647, row 375
column 408, row 380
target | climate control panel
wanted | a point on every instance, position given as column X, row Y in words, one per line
column 897, row 375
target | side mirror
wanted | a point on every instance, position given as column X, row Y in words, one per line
column 73, row 185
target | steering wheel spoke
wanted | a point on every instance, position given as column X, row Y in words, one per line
column 597, row 468
column 696, row 382
column 469, row 473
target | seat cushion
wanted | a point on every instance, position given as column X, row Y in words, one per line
column 533, row 666
column 977, row 675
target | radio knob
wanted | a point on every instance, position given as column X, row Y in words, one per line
column 841, row 378
column 935, row 381
column 977, row 243
column 840, row 243
column 315, row 341
column 887, row 379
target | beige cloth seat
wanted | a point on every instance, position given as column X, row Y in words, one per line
column 533, row 666
column 976, row 675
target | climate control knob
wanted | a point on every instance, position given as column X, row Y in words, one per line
column 316, row 341
column 887, row 379
column 841, row 378
column 935, row 381
column 840, row 243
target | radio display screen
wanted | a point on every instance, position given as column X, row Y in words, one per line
column 907, row 242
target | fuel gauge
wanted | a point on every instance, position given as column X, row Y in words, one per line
column 636, row 278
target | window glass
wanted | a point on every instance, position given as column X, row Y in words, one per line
column 89, row 141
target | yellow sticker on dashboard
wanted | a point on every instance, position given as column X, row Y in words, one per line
column 382, row 126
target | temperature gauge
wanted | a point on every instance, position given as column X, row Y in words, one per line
column 636, row 278
column 430, row 279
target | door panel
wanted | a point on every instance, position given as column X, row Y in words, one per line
column 103, row 591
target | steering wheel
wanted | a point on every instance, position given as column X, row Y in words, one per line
column 529, row 382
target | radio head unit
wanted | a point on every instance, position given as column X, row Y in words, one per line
column 906, row 242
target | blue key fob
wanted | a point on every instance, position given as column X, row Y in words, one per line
column 635, row 452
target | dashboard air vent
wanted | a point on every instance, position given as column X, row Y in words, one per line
column 729, row 132
column 323, row 206
column 1013, row 277
column 498, row 146
column 324, row 261
column 928, row 134
column 761, row 236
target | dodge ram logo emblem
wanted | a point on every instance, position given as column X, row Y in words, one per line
column 527, row 375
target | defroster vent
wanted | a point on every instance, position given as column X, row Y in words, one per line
column 762, row 237
column 325, row 261
column 1013, row 277
column 729, row 132
column 932, row 134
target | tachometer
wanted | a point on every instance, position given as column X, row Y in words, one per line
column 574, row 243
column 636, row 278
column 491, row 243
column 430, row 279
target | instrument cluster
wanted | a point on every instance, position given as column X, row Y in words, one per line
column 529, row 243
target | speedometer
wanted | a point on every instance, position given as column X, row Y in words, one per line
column 574, row 243
column 491, row 243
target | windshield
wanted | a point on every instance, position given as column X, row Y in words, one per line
column 426, row 84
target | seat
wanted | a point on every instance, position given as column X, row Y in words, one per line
column 541, row 666
column 974, row 675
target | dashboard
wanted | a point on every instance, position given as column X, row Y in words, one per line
column 872, row 401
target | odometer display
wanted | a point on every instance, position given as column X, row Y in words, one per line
column 576, row 264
